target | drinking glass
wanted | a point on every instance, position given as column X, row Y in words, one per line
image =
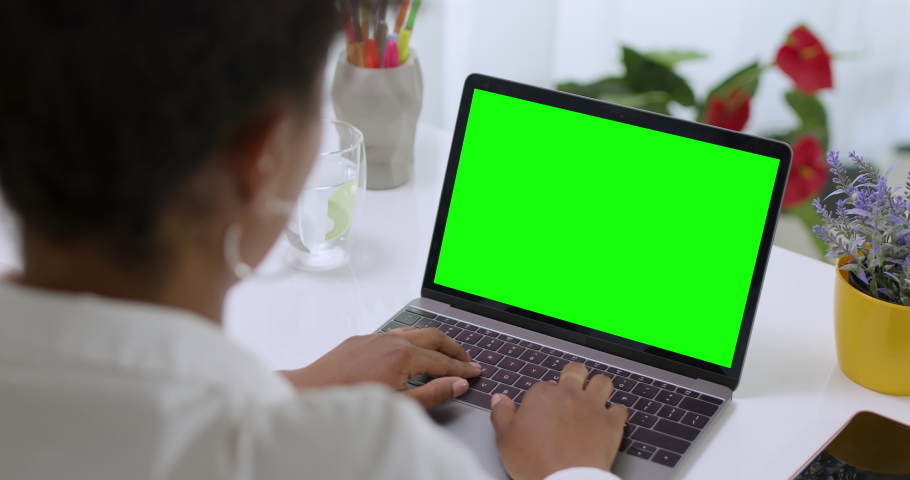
column 321, row 228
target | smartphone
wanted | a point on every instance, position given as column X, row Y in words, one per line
column 868, row 447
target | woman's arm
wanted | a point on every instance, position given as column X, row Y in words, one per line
column 391, row 358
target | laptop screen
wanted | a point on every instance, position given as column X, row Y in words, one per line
column 637, row 233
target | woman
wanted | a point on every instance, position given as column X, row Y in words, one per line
column 134, row 138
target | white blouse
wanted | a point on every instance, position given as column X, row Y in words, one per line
column 93, row 388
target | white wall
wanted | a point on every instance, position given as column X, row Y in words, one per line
column 545, row 41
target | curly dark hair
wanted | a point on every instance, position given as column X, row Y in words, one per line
column 107, row 107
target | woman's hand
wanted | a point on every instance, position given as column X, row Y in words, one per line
column 392, row 358
column 559, row 426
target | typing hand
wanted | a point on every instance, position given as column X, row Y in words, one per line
column 559, row 426
column 392, row 358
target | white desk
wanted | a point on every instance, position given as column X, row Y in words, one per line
column 792, row 396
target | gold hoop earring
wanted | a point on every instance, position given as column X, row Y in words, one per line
column 232, row 251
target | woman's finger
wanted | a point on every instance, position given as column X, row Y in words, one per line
column 601, row 387
column 574, row 375
column 438, row 391
column 434, row 339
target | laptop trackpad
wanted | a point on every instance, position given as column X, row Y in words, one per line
column 472, row 426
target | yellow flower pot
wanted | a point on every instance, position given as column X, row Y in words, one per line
column 873, row 338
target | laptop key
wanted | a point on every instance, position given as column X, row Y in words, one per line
column 672, row 413
column 648, row 406
column 426, row 323
column 420, row 311
column 670, row 398
column 450, row 330
column 555, row 363
column 595, row 365
column 641, row 378
column 525, row 383
column 551, row 375
column 468, row 337
column 487, row 370
column 450, row 321
column 574, row 358
column 647, row 391
column 509, row 339
column 511, row 350
column 698, row 406
column 532, row 356
column 664, row 457
column 687, row 392
column 482, row 385
column 505, row 377
column 627, row 429
column 407, row 318
column 511, row 364
column 487, row 356
column 633, row 450
column 527, row 344
column 506, row 390
column 624, row 444
column 618, row 371
column 695, row 420
column 551, row 351
column 643, row 419
column 466, row 326
column 661, row 440
column 489, row 343
column 599, row 372
column 533, row 371
column 645, row 447
column 665, row 386
column 392, row 326
column 624, row 384
column 472, row 350
column 487, row 332
column 676, row 429
column 624, row 398
column 475, row 397
column 709, row 398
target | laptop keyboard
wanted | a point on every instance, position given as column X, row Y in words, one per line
column 664, row 419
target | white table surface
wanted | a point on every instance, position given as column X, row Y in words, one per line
column 791, row 399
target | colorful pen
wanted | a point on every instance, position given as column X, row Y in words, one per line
column 365, row 18
column 402, row 15
column 391, row 55
column 355, row 52
column 413, row 15
column 382, row 32
column 404, row 39
column 370, row 54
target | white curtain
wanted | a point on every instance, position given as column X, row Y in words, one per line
column 542, row 42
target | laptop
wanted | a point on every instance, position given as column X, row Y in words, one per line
column 575, row 230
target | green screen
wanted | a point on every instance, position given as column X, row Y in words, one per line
column 641, row 234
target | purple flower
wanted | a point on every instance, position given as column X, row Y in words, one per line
column 871, row 225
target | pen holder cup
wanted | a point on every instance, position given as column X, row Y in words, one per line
column 384, row 103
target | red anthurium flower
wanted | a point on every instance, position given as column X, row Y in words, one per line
column 805, row 60
column 731, row 113
column 808, row 173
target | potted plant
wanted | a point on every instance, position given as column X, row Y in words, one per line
column 869, row 234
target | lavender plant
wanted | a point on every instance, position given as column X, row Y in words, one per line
column 872, row 226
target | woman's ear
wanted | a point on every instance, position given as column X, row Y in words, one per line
column 249, row 161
